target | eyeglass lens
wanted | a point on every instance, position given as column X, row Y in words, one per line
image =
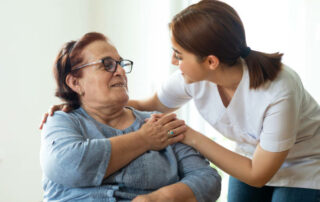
column 111, row 65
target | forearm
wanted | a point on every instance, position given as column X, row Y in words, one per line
column 124, row 149
column 178, row 192
column 137, row 104
column 240, row 167
column 151, row 104
column 222, row 157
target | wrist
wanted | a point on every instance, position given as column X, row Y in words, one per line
column 161, row 195
column 191, row 137
column 194, row 140
column 143, row 142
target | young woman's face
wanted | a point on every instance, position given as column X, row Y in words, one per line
column 192, row 70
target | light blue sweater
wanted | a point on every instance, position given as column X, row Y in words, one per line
column 75, row 152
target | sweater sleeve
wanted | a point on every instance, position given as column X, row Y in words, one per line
column 68, row 158
column 195, row 172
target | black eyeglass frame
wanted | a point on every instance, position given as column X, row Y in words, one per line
column 117, row 62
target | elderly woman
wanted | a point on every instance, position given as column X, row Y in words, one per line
column 104, row 151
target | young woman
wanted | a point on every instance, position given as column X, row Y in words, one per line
column 248, row 96
column 251, row 98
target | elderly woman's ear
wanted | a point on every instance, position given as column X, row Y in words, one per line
column 74, row 84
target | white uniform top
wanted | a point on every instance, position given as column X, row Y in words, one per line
column 281, row 115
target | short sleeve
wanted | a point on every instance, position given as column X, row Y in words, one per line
column 173, row 92
column 281, row 123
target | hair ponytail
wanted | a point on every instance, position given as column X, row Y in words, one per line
column 262, row 67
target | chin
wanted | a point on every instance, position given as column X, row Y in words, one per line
column 125, row 99
column 119, row 97
column 187, row 80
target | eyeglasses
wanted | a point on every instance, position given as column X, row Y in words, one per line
column 110, row 64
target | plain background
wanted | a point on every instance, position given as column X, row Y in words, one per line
column 33, row 31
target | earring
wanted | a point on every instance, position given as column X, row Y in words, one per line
column 81, row 93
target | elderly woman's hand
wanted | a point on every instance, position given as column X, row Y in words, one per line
column 162, row 130
column 61, row 107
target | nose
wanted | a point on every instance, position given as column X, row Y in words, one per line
column 174, row 60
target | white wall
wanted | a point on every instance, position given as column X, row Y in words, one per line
column 289, row 26
column 31, row 34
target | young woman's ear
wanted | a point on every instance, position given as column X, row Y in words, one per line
column 212, row 62
column 73, row 83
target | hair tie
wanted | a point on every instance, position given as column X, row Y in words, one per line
column 245, row 52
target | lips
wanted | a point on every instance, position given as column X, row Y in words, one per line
column 118, row 84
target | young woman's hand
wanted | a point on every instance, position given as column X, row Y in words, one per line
column 159, row 131
column 152, row 197
column 142, row 198
column 61, row 107
column 170, row 193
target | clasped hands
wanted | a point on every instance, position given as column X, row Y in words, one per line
column 161, row 130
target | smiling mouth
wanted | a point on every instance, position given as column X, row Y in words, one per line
column 118, row 85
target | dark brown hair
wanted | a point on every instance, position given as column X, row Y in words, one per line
column 212, row 27
column 69, row 57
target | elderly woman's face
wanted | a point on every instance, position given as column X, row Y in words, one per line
column 100, row 87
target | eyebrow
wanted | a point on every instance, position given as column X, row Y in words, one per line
column 120, row 58
column 176, row 51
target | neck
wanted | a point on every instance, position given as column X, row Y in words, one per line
column 114, row 116
column 227, row 77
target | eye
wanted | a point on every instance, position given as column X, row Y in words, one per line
column 176, row 56
column 109, row 64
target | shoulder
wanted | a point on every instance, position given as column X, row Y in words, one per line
column 288, row 78
column 61, row 118
column 287, row 83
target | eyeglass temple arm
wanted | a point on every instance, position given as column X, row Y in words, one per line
column 91, row 63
